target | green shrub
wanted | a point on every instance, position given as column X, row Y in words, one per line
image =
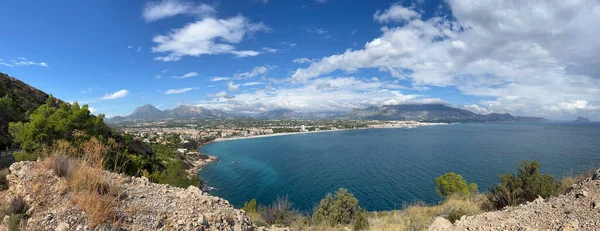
column 17, row 206
column 14, row 221
column 452, row 184
column 527, row 185
column 455, row 215
column 339, row 209
column 250, row 206
column 175, row 175
column 3, row 180
column 280, row 212
column 361, row 222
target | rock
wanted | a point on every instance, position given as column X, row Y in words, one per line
column 62, row 227
column 440, row 223
column 202, row 220
column 582, row 194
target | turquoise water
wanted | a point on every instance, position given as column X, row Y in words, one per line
column 386, row 168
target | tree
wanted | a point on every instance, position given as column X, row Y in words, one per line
column 341, row 208
column 527, row 185
column 452, row 184
column 250, row 206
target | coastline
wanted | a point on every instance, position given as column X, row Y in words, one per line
column 402, row 124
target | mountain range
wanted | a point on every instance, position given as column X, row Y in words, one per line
column 149, row 113
column 418, row 112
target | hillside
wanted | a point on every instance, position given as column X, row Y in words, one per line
column 582, row 120
column 436, row 113
column 142, row 205
column 16, row 100
column 578, row 209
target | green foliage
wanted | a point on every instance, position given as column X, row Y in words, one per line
column 361, row 222
column 452, row 184
column 341, row 208
column 455, row 215
column 280, row 212
column 175, row 175
column 250, row 206
column 527, row 185
column 14, row 221
column 3, row 180
column 50, row 122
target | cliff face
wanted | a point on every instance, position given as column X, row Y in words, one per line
column 578, row 209
column 142, row 205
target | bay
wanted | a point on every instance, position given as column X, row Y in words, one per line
column 387, row 168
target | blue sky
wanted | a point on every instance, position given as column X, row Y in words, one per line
column 527, row 58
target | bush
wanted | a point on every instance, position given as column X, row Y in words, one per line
column 250, row 206
column 175, row 175
column 361, row 222
column 455, row 215
column 85, row 178
column 14, row 221
column 280, row 212
column 98, row 207
column 3, row 180
column 342, row 208
column 17, row 206
column 527, row 185
column 61, row 165
column 452, row 184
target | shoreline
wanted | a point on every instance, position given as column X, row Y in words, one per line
column 410, row 125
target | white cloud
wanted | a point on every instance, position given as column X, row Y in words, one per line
column 324, row 94
column 396, row 13
column 220, row 94
column 288, row 44
column 92, row 110
column 158, row 10
column 129, row 47
column 177, row 91
column 316, row 30
column 270, row 50
column 85, row 91
column 252, row 84
column 115, row 95
column 188, row 75
column 208, row 36
column 216, row 79
column 523, row 57
column 375, row 79
column 233, row 87
column 302, row 60
column 21, row 61
column 260, row 70
column 321, row 1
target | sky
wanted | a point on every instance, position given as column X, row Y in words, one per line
column 535, row 58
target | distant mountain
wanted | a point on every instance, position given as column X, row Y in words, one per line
column 282, row 114
column 16, row 99
column 582, row 120
column 435, row 113
column 186, row 112
column 150, row 113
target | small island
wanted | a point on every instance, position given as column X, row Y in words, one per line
column 582, row 120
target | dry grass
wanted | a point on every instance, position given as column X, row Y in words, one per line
column 419, row 216
column 3, row 180
column 98, row 207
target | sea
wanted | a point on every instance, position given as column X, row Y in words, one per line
column 389, row 168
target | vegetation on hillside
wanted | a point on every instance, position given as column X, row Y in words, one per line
column 68, row 126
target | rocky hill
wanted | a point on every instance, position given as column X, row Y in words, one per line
column 578, row 209
column 150, row 113
column 582, row 120
column 436, row 113
column 16, row 99
column 142, row 205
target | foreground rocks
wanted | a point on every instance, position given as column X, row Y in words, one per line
column 142, row 206
column 578, row 209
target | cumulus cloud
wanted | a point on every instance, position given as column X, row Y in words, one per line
column 302, row 60
column 248, row 84
column 220, row 94
column 523, row 57
column 260, row 70
column 188, row 75
column 22, row 61
column 115, row 95
column 208, row 36
column 177, row 91
column 323, row 94
column 396, row 13
column 233, row 87
column 158, row 10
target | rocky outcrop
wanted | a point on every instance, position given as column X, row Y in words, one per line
column 578, row 209
column 142, row 205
